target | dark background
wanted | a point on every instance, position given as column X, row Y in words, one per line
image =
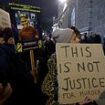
column 48, row 10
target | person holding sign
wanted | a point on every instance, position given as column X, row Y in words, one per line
column 50, row 84
column 16, row 81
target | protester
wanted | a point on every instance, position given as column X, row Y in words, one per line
column 94, row 38
column 30, row 34
column 50, row 84
column 49, row 46
column 16, row 73
column 5, row 87
column 76, row 34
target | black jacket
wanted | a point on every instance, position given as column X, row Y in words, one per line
column 14, row 71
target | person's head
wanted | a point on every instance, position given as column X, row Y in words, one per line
column 66, row 35
column 76, row 37
column 75, row 30
column 8, row 36
column 24, row 20
column 97, row 38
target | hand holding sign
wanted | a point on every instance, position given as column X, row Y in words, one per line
column 87, row 100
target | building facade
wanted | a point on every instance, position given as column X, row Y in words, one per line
column 86, row 15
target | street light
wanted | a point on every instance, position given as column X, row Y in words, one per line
column 62, row 1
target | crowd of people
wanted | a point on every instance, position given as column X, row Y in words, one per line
column 17, row 85
column 50, row 83
column 16, row 81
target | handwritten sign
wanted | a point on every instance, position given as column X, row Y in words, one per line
column 81, row 72
column 4, row 19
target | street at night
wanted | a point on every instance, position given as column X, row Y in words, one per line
column 52, row 52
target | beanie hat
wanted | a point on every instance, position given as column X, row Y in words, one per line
column 62, row 35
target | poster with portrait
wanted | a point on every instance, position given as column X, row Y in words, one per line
column 81, row 72
column 25, row 19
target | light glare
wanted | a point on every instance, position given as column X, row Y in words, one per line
column 62, row 1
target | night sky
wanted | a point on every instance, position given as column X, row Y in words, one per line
column 48, row 8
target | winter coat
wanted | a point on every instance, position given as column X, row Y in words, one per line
column 13, row 70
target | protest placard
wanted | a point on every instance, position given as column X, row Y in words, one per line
column 4, row 19
column 26, row 20
column 81, row 72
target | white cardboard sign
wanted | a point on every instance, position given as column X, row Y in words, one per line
column 4, row 19
column 81, row 72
